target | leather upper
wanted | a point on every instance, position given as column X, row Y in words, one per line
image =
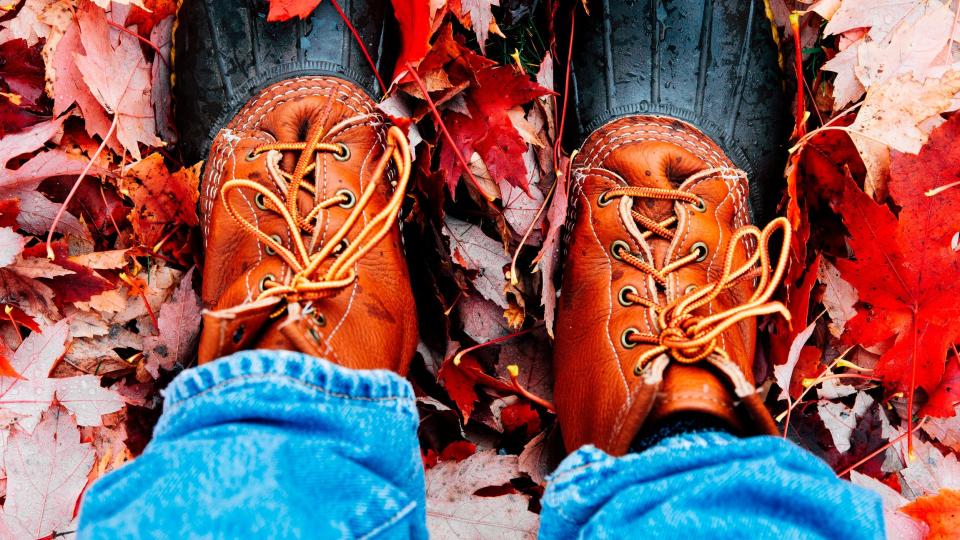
column 602, row 397
column 366, row 323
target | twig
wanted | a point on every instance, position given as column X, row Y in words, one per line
column 882, row 448
column 76, row 185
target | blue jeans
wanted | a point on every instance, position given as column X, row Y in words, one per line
column 271, row 444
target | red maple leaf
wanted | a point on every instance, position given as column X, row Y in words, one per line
column 488, row 130
column 21, row 69
column 79, row 286
column 146, row 19
column 943, row 400
column 284, row 10
column 489, row 92
column 414, row 19
column 905, row 270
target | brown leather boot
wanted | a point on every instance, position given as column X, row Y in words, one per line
column 299, row 205
column 663, row 279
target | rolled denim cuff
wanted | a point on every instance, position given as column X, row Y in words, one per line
column 280, row 385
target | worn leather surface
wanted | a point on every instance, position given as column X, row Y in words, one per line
column 599, row 398
column 371, row 323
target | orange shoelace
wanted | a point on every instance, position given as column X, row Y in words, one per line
column 307, row 282
column 684, row 336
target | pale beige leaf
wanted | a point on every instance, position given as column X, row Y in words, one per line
column 103, row 260
column 453, row 511
column 913, row 46
column 11, row 244
column 472, row 249
column 846, row 86
column 895, row 110
column 179, row 326
column 783, row 374
column 39, row 267
column 481, row 17
column 841, row 420
column 46, row 471
column 945, row 430
column 839, row 297
column 84, row 397
column 28, row 23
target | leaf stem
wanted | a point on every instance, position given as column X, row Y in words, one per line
column 76, row 185
column 446, row 134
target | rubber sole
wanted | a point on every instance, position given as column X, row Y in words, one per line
column 712, row 63
column 226, row 52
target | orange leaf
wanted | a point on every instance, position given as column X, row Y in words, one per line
column 941, row 512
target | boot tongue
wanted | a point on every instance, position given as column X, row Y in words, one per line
column 654, row 164
column 293, row 120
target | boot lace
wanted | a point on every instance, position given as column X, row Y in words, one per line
column 308, row 282
column 684, row 336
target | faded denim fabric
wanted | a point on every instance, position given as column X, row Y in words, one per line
column 275, row 444
column 707, row 486
column 271, row 444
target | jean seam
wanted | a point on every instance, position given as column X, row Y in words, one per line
column 300, row 382
column 392, row 521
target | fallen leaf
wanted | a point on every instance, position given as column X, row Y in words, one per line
column 941, row 512
column 480, row 13
column 46, row 471
column 896, row 112
column 914, row 299
column 839, row 297
column 453, row 511
column 29, row 140
column 179, row 327
column 27, row 25
column 928, row 471
column 11, row 244
column 841, row 420
column 162, row 199
column 415, row 19
column 68, row 86
column 474, row 250
column 118, row 75
column 783, row 373
column 21, row 70
column 284, row 10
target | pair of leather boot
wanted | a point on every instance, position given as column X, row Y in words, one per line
column 679, row 108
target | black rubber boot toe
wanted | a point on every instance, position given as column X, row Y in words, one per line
column 226, row 51
column 712, row 63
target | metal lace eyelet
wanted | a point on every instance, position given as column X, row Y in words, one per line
column 700, row 248
column 252, row 155
column 260, row 200
column 314, row 334
column 700, row 205
column 268, row 248
column 689, row 289
column 351, row 199
column 616, row 247
column 603, row 200
column 637, row 371
column 625, row 338
column 266, row 278
column 343, row 154
column 341, row 246
column 320, row 319
column 622, row 297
